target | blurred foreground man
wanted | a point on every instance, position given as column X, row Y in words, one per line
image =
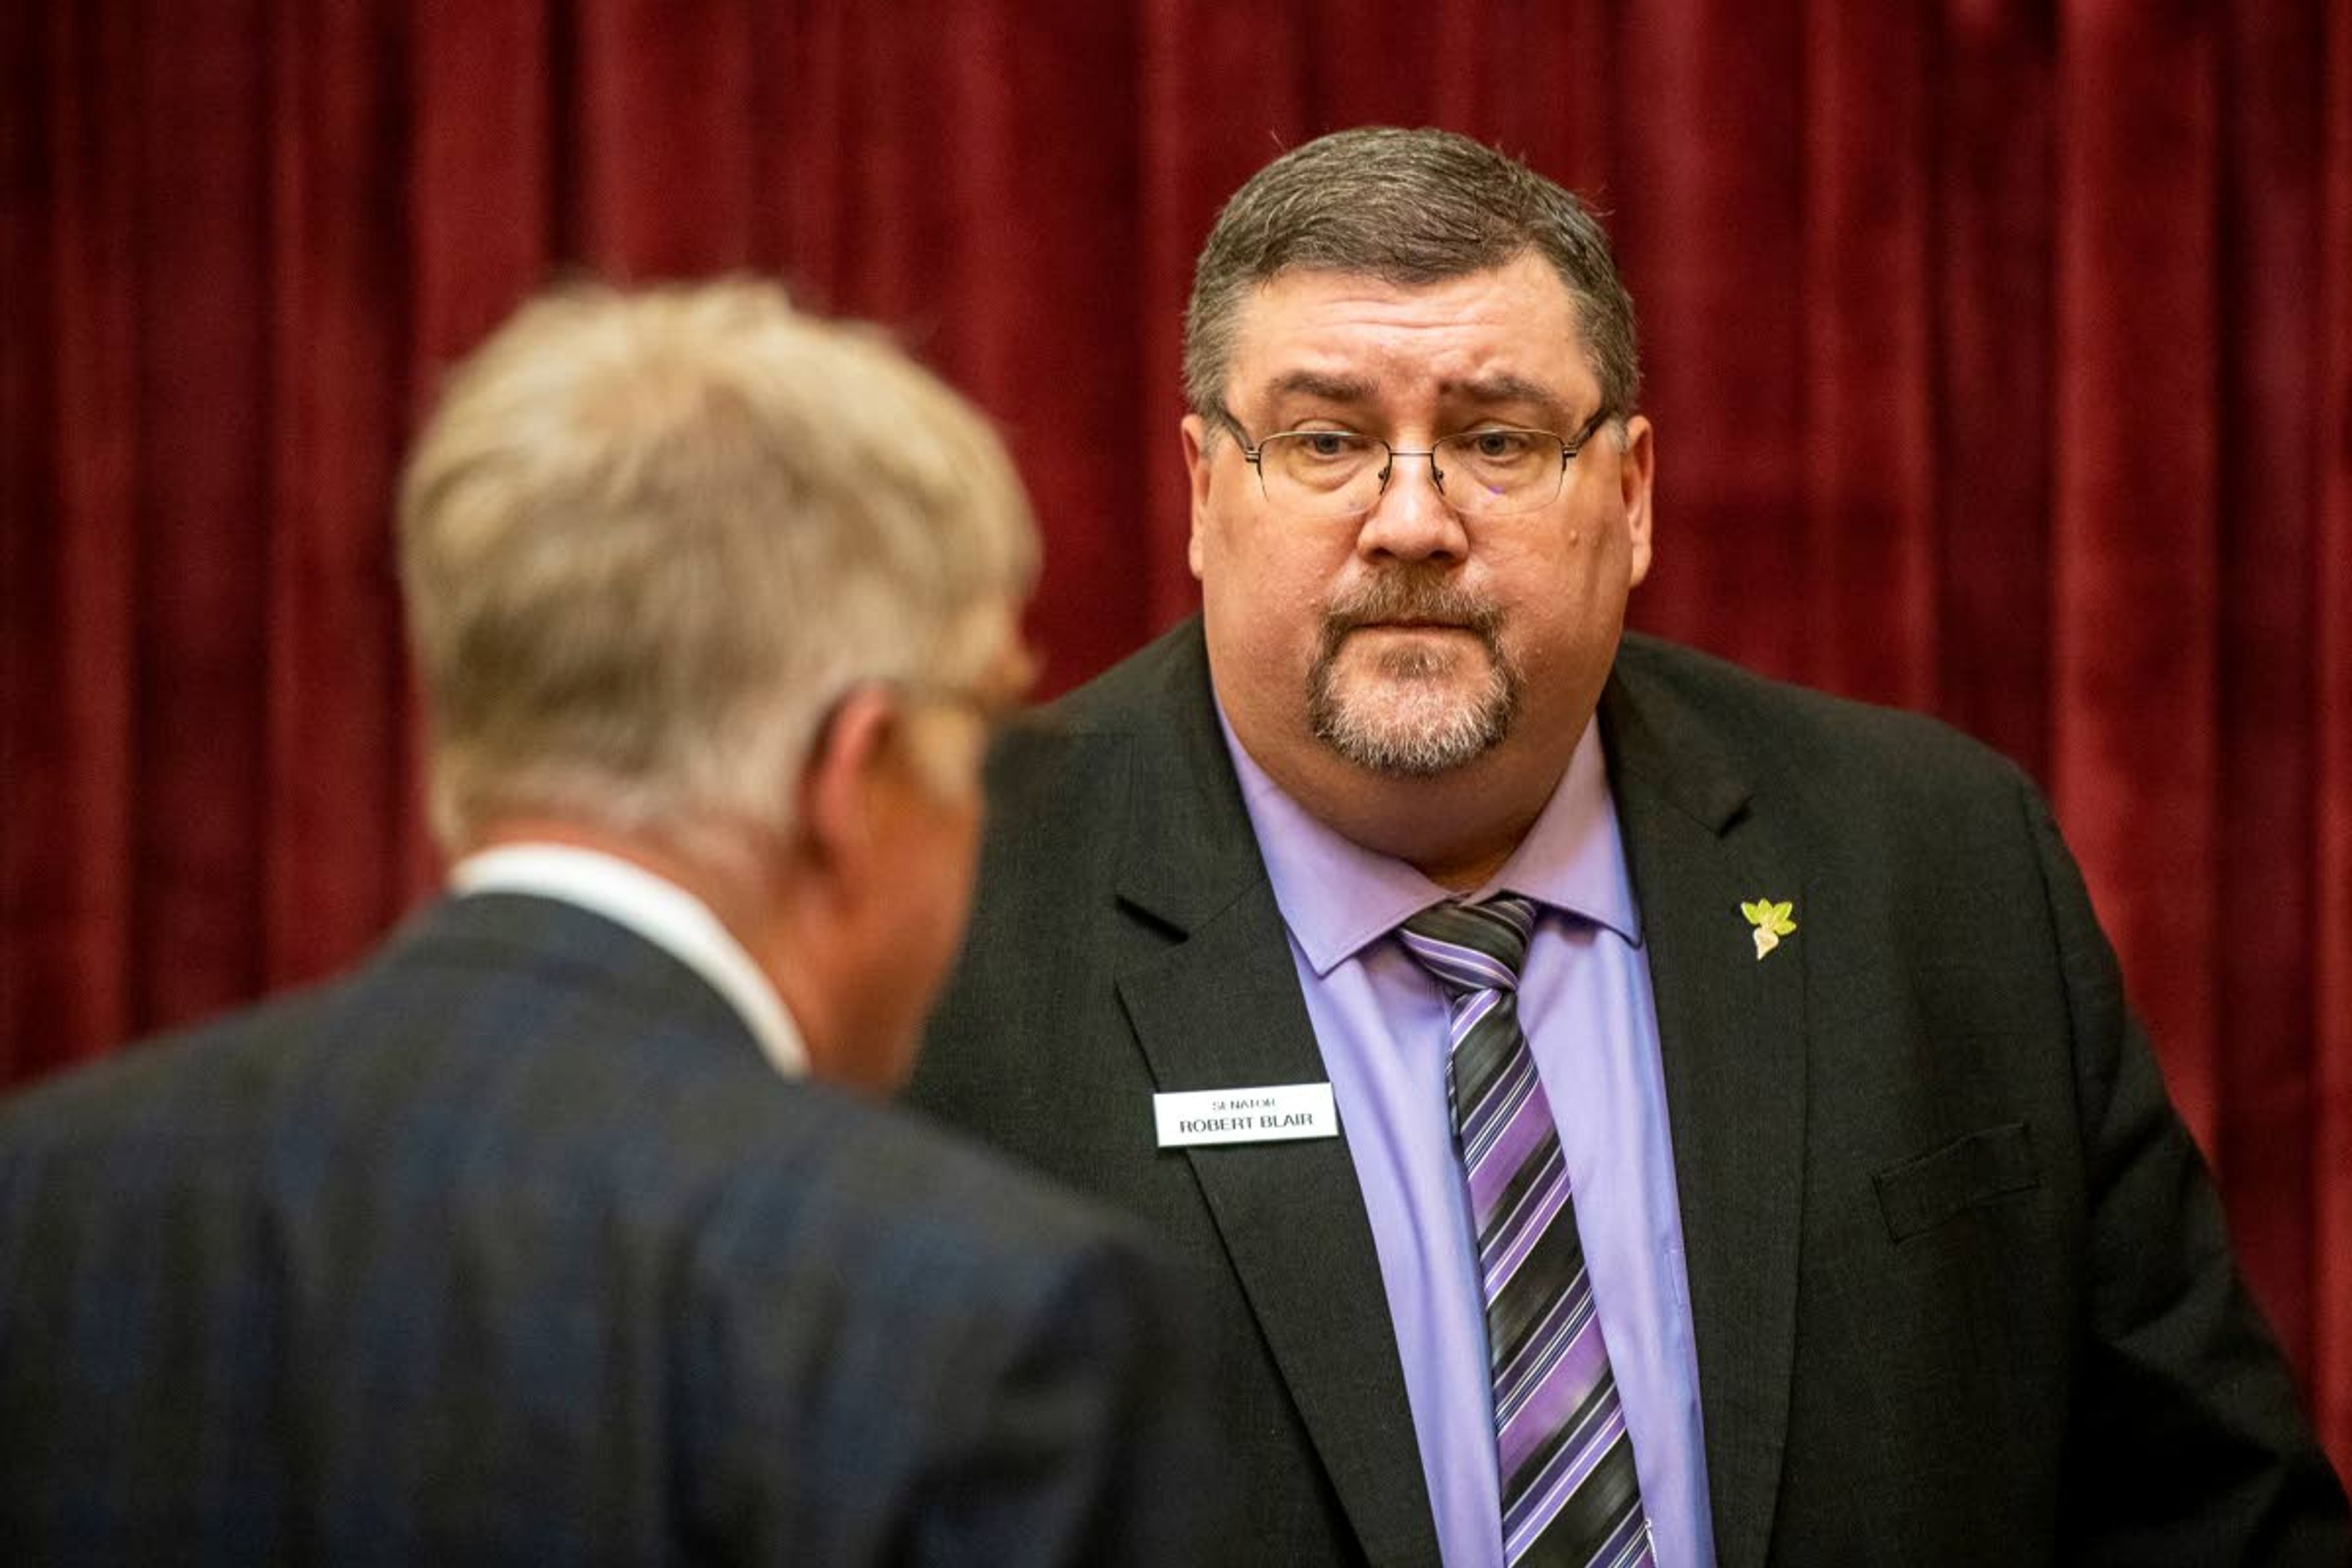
column 1626, row 1110
column 547, row 1236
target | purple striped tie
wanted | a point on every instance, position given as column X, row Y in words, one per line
column 1569, row 1496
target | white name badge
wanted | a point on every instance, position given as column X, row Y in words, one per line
column 1270, row 1114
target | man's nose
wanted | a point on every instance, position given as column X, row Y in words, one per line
column 1411, row 519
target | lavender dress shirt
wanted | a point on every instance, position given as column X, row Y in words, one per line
column 1584, row 999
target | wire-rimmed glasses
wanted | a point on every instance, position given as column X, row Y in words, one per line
column 1491, row 471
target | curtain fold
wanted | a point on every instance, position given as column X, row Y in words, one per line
column 2327, row 1180
column 2000, row 352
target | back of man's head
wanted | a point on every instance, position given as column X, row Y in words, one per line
column 1408, row 207
column 647, row 539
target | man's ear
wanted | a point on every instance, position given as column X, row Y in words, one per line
column 837, row 804
column 1196, row 431
column 1636, row 469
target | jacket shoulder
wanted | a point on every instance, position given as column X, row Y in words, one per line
column 1172, row 668
column 1069, row 762
column 216, row 1080
column 1792, row 741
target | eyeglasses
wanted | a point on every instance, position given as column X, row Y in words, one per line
column 950, row 758
column 992, row 699
column 1489, row 472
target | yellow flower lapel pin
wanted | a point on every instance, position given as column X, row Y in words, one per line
column 1771, row 922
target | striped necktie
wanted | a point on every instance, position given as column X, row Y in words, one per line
column 1569, row 1491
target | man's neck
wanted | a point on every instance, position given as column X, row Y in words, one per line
column 730, row 880
column 671, row 899
column 1456, row 828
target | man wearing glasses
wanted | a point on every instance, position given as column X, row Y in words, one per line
column 1534, row 1033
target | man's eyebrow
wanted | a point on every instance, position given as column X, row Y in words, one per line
column 1504, row 388
column 1316, row 384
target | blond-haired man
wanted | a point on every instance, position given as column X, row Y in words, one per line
column 545, row 1236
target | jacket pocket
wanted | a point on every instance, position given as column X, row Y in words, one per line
column 1926, row 1191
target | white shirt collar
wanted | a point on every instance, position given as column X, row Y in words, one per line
column 656, row 909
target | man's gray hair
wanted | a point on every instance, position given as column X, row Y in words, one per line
column 646, row 539
column 1411, row 208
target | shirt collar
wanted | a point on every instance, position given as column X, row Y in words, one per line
column 658, row 910
column 1338, row 897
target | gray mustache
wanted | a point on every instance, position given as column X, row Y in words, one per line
column 1410, row 593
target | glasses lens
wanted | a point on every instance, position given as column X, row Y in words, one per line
column 1501, row 470
column 1318, row 471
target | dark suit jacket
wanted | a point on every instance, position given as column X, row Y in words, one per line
column 512, row 1246
column 1959, row 1283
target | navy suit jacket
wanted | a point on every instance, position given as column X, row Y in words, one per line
column 513, row 1246
column 1960, row 1286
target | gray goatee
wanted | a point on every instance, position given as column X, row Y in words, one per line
column 1410, row 738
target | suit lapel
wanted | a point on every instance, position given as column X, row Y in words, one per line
column 1221, row 1009
column 1731, row 1031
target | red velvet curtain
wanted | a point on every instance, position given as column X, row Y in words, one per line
column 2002, row 355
